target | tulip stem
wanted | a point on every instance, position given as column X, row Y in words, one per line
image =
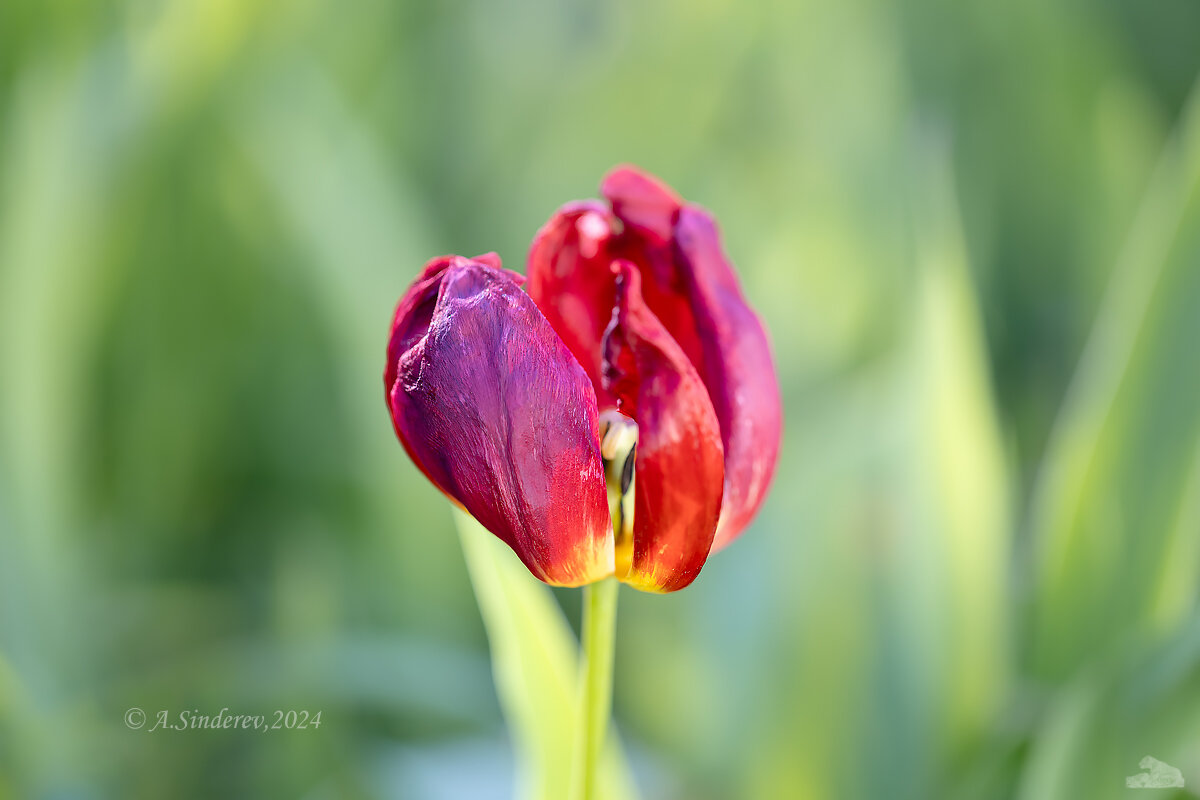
column 598, row 636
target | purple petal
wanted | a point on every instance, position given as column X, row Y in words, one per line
column 495, row 410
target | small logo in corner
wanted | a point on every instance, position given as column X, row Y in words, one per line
column 1157, row 776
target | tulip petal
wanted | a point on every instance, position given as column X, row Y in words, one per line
column 738, row 370
column 642, row 201
column 693, row 290
column 494, row 409
column 411, row 321
column 679, row 462
column 413, row 312
column 570, row 280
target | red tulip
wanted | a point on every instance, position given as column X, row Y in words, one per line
column 638, row 390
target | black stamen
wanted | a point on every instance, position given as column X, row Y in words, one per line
column 627, row 470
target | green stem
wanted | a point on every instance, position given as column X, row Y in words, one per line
column 598, row 635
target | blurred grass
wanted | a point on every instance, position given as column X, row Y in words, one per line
column 971, row 229
column 1126, row 459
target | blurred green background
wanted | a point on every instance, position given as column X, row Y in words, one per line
column 973, row 230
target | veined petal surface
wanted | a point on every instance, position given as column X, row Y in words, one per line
column 494, row 409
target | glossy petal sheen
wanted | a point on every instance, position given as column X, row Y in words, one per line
column 679, row 460
column 694, row 291
column 570, row 280
column 494, row 409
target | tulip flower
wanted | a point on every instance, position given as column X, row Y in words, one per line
column 622, row 418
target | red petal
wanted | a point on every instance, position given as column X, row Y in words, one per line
column 493, row 408
column 679, row 460
column 738, row 370
column 642, row 201
column 570, row 281
column 693, row 290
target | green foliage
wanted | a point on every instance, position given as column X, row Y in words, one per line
column 1117, row 517
column 973, row 231
column 535, row 662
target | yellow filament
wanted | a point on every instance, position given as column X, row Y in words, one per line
column 618, row 448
